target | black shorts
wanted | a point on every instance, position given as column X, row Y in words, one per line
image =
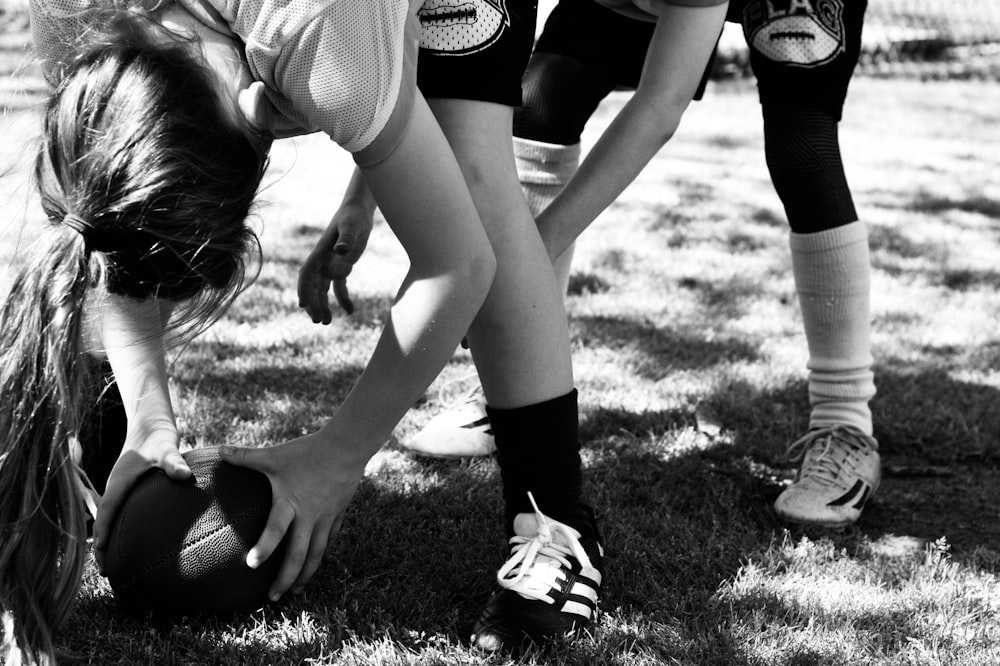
column 475, row 49
column 804, row 58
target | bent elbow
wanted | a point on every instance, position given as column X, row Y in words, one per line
column 668, row 123
column 660, row 115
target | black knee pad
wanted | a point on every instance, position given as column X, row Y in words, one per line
column 560, row 95
column 803, row 156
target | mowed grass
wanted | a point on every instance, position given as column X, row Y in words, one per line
column 690, row 361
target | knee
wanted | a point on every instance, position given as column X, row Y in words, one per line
column 802, row 149
column 560, row 95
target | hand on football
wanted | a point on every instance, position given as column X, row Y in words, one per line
column 311, row 487
column 331, row 261
column 142, row 452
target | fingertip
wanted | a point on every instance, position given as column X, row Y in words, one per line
column 179, row 473
column 177, row 468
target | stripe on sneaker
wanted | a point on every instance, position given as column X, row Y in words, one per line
column 859, row 487
column 576, row 608
column 484, row 421
column 864, row 498
column 581, row 598
column 583, row 590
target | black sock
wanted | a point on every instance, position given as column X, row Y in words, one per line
column 538, row 449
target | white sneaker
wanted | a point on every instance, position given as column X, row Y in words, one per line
column 463, row 431
column 839, row 472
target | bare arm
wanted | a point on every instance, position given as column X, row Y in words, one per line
column 338, row 249
column 131, row 333
column 678, row 53
column 421, row 192
column 423, row 196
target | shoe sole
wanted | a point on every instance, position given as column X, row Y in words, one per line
column 809, row 523
column 448, row 456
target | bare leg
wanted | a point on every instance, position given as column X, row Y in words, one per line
column 520, row 340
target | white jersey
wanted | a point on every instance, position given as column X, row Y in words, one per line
column 343, row 67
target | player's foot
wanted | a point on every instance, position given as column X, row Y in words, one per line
column 839, row 473
column 462, row 431
column 548, row 586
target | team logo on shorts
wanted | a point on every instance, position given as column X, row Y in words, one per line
column 804, row 33
column 458, row 27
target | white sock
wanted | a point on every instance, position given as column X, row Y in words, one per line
column 832, row 272
column 544, row 169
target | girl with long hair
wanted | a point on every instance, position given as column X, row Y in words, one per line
column 153, row 146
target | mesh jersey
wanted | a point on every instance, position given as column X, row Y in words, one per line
column 344, row 67
column 641, row 9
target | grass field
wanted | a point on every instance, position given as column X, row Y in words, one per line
column 690, row 361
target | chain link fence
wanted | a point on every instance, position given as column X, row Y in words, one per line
column 930, row 39
column 926, row 39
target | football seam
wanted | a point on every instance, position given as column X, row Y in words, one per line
column 156, row 564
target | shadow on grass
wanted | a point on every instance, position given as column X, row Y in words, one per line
column 677, row 520
column 884, row 631
column 939, row 440
column 728, row 299
column 940, row 444
column 925, row 202
column 898, row 243
column 889, row 244
column 955, row 279
column 271, row 300
column 228, row 399
column 307, row 383
column 658, row 351
column 681, row 513
column 586, row 283
column 924, row 415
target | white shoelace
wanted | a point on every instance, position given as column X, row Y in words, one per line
column 825, row 466
column 535, row 563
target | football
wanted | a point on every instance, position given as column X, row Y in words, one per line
column 178, row 548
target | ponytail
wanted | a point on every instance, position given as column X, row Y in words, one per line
column 43, row 383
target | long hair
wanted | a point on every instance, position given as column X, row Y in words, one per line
column 146, row 184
